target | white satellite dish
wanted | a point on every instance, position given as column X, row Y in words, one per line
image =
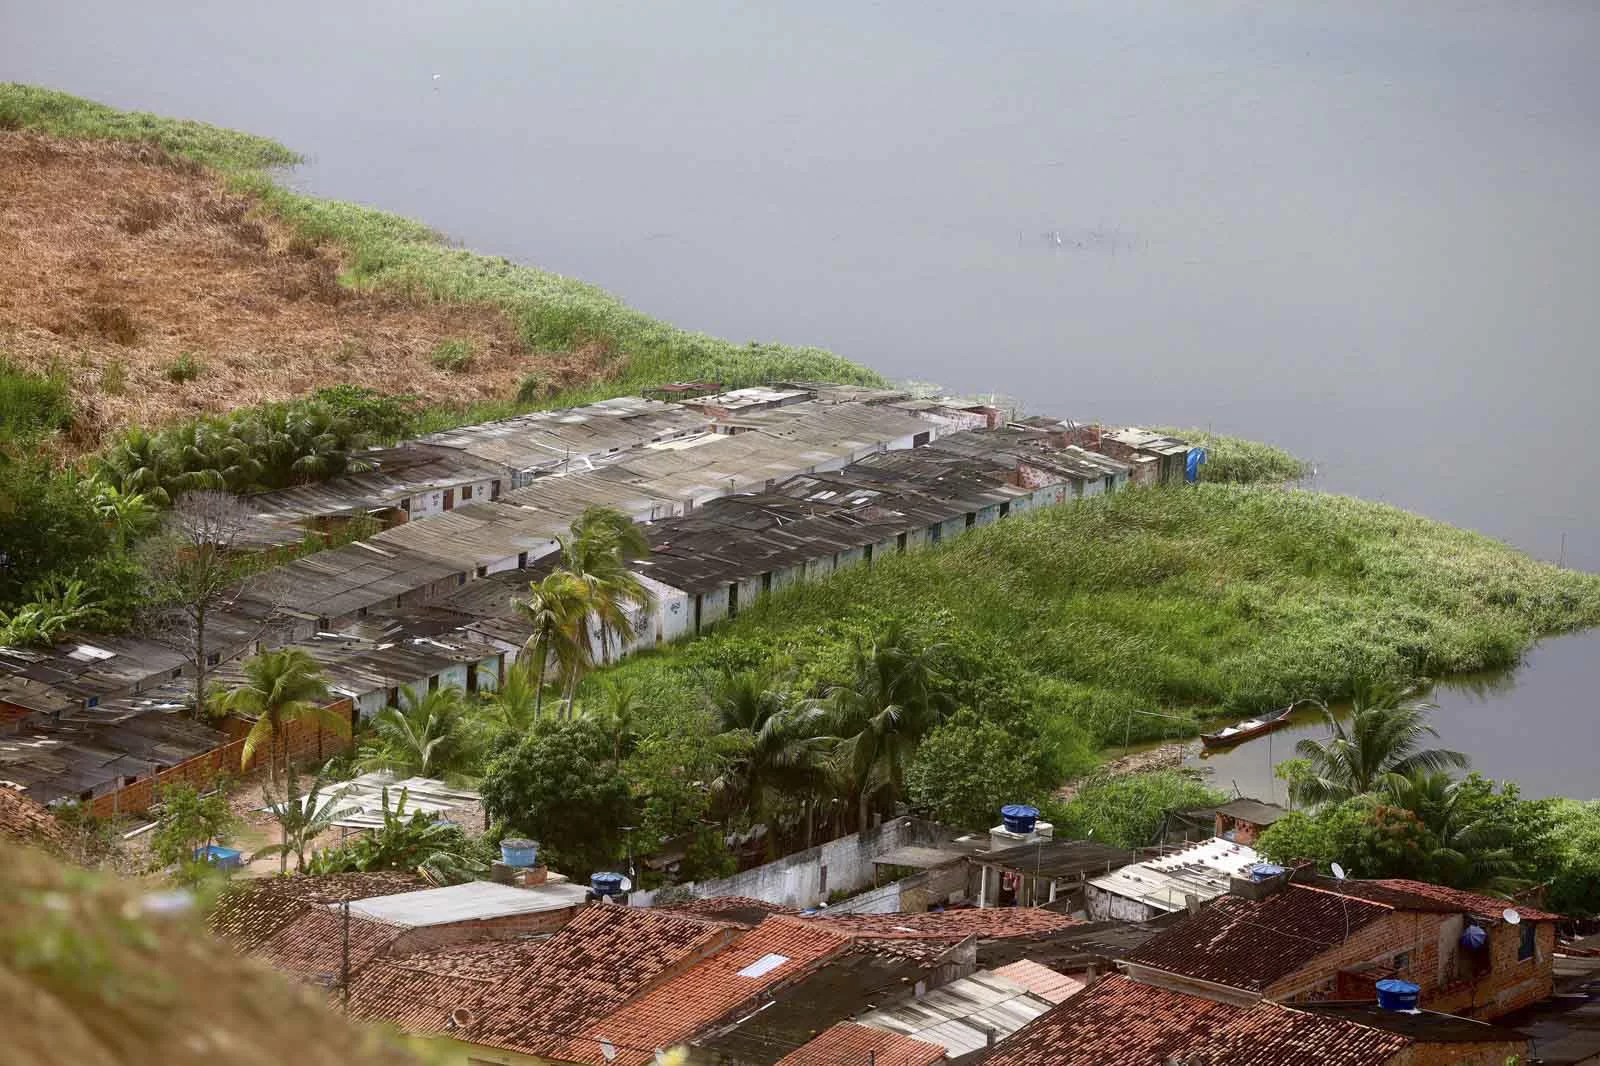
column 1338, row 871
column 1511, row 916
column 608, row 1049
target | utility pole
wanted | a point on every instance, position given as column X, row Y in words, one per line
column 344, row 967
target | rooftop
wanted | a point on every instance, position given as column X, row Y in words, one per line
column 1253, row 811
column 1249, row 944
column 1119, row 1021
column 1203, row 869
column 1422, row 896
column 959, row 1015
column 849, row 1044
column 470, row 902
column 1062, row 859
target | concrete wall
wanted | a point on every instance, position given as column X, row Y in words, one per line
column 713, row 607
column 817, row 569
column 797, row 880
column 853, row 557
column 1104, row 906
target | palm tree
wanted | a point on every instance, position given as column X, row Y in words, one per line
column 891, row 703
column 557, row 608
column 514, row 706
column 603, row 543
column 282, row 686
column 423, row 737
column 777, row 754
column 125, row 514
column 1382, row 740
column 303, row 818
column 1473, row 851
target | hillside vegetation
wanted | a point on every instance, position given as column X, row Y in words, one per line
column 158, row 265
column 1185, row 602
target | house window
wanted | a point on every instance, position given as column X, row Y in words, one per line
column 466, row 493
column 433, row 683
column 919, row 440
column 1530, row 938
column 822, row 882
column 405, row 504
column 972, row 519
column 213, row 658
column 177, row 673
column 1005, row 510
column 1402, row 960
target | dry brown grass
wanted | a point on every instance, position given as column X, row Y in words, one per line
column 117, row 253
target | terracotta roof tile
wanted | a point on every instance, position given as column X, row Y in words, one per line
column 1249, row 944
column 1118, row 1021
column 1042, row 981
column 849, row 1044
column 591, row 967
column 985, row 923
column 736, row 908
column 418, row 992
column 311, row 947
column 251, row 911
column 777, row 951
column 1272, row 1035
column 27, row 822
column 1421, row 895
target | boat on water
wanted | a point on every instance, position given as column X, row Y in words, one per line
column 1245, row 730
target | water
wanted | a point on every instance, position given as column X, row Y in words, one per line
column 1364, row 231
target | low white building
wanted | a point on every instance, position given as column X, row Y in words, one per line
column 1141, row 891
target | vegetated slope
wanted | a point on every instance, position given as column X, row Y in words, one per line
column 318, row 291
column 1191, row 600
column 90, row 980
column 117, row 260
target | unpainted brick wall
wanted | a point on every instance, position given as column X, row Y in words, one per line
column 1461, row 1054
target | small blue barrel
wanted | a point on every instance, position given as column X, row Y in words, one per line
column 1265, row 871
column 515, row 851
column 1397, row 995
column 606, row 884
column 1019, row 817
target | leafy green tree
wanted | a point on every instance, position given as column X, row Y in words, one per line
column 1128, row 811
column 437, row 849
column 776, row 756
column 968, row 768
column 557, row 610
column 891, row 702
column 426, row 736
column 671, row 776
column 560, row 787
column 48, row 523
column 302, row 817
column 1474, row 831
column 1573, row 866
column 281, row 686
column 189, row 823
column 603, row 543
column 1368, row 838
column 1382, row 740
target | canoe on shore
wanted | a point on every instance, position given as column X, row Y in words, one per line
column 1243, row 731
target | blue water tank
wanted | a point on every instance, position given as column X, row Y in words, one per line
column 606, row 884
column 1019, row 817
column 1397, row 995
column 517, row 852
column 1266, row 871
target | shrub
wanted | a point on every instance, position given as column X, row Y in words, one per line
column 31, row 404
column 183, row 369
column 454, row 355
column 1127, row 811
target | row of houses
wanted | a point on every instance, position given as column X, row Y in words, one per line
column 1279, row 969
column 742, row 494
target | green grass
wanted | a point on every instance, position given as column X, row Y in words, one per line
column 454, row 355
column 1184, row 601
column 33, row 404
column 1244, row 461
column 383, row 251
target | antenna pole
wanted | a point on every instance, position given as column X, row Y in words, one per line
column 344, row 950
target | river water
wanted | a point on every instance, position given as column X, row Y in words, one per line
column 1368, row 232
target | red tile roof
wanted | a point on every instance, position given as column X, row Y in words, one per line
column 1249, row 944
column 1118, row 1021
column 1424, row 896
column 987, row 923
column 1272, row 1035
column 311, row 947
column 736, row 908
column 419, row 992
column 590, row 968
column 1041, row 980
column 677, row 1009
column 849, row 1044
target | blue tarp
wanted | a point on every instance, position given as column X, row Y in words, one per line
column 1196, row 457
column 227, row 858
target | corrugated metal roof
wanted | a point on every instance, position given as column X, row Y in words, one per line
column 1203, row 869
column 958, row 1015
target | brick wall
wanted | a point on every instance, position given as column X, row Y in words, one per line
column 307, row 740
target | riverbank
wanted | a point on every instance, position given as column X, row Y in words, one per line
column 158, row 265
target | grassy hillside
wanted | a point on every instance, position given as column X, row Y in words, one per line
column 396, row 257
column 1187, row 601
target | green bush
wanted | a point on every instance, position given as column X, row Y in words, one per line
column 183, row 369
column 33, row 404
column 454, row 356
column 1128, row 811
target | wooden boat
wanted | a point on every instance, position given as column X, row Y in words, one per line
column 1243, row 731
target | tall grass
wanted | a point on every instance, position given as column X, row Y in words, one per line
column 383, row 251
column 1185, row 601
column 33, row 404
column 1242, row 461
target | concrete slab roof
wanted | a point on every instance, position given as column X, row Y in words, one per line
column 473, row 901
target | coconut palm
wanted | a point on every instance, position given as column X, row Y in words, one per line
column 513, row 707
column 126, row 514
column 892, row 701
column 776, row 753
column 423, row 737
column 1381, row 741
column 557, row 608
column 281, row 686
column 303, row 818
column 603, row 543
column 1473, row 850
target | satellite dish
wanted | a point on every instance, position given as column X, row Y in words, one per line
column 460, row 1018
column 608, row 1049
column 1511, row 916
column 1338, row 871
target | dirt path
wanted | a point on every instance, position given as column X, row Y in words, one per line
column 1164, row 757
